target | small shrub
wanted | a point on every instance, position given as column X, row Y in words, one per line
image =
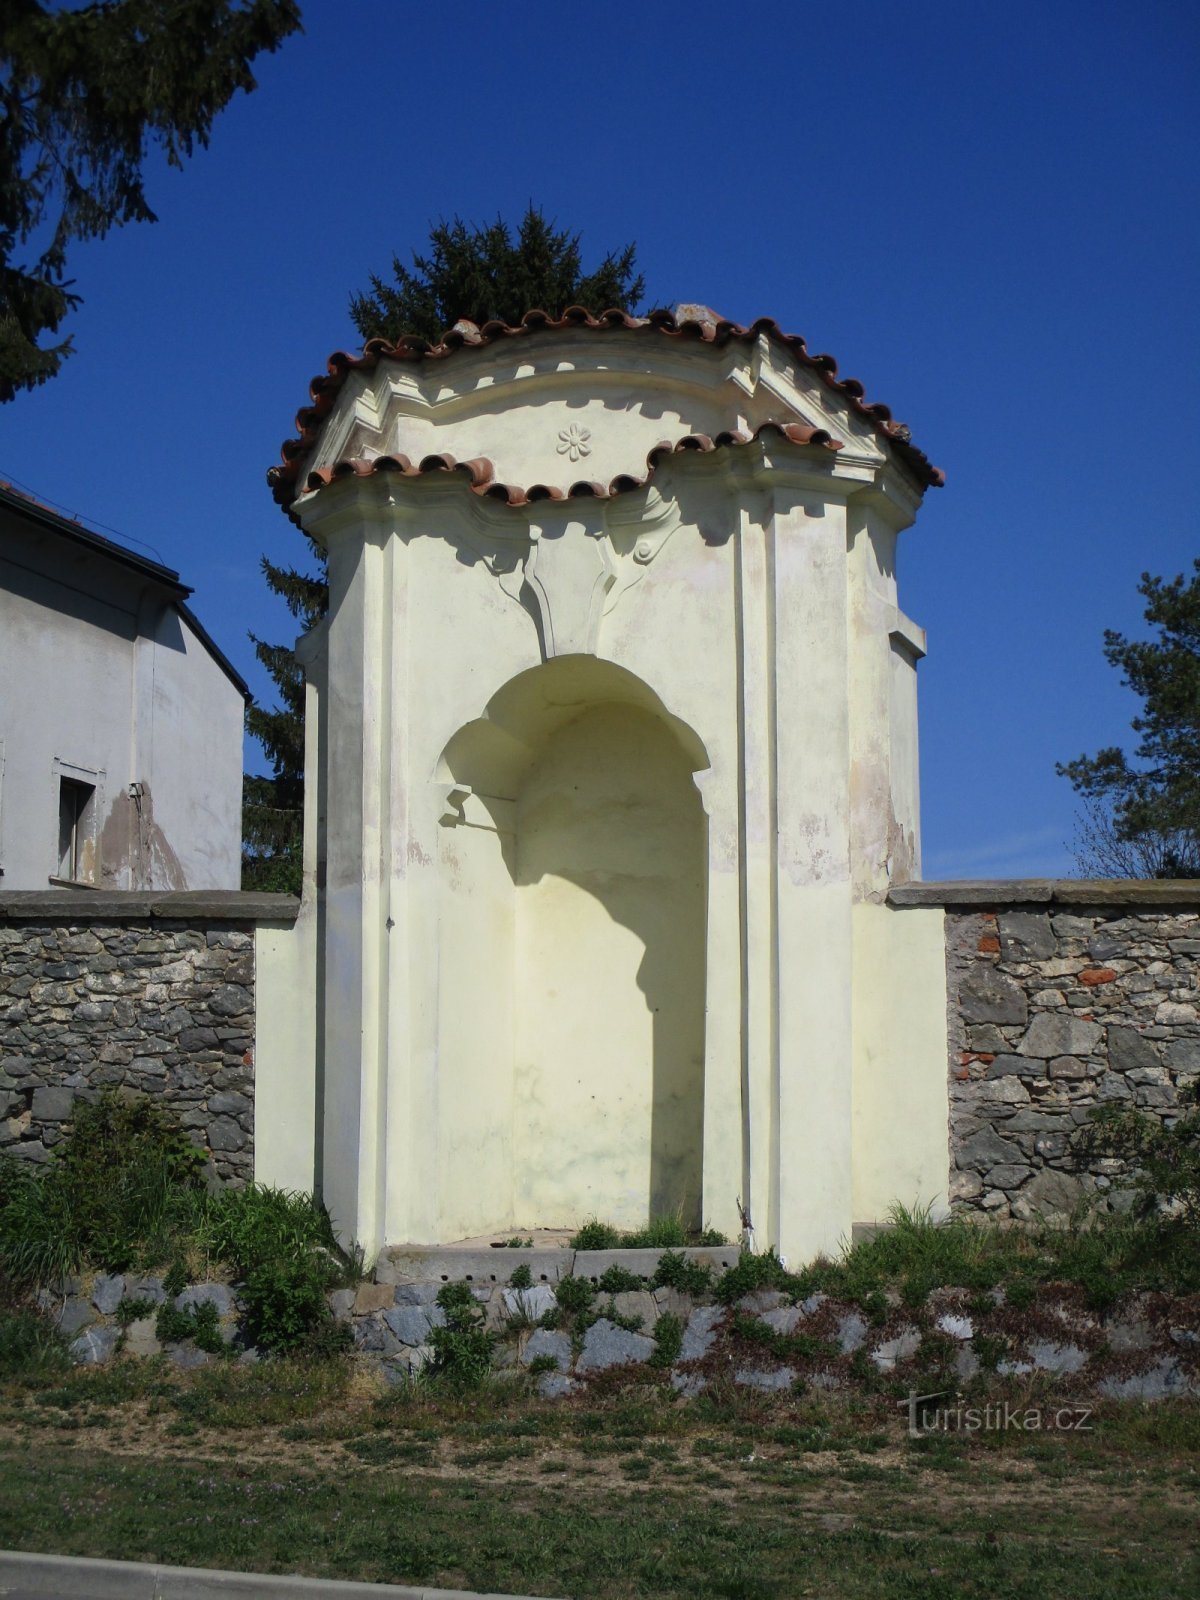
column 119, row 1187
column 198, row 1323
column 541, row 1364
column 521, row 1277
column 172, row 1326
column 126, row 1186
column 462, row 1350
column 875, row 1307
column 133, row 1310
column 285, row 1303
column 668, row 1341
column 283, row 1247
column 752, row 1272
column 1164, row 1158
column 207, row 1330
column 458, row 1301
column 596, row 1235
column 517, row 1243
column 39, row 1240
column 675, row 1271
column 916, row 1289
column 784, row 1346
column 575, row 1295
column 618, row 1280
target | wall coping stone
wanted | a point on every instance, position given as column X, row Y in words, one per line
column 1148, row 893
column 161, row 905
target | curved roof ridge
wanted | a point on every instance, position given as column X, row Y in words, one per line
column 467, row 335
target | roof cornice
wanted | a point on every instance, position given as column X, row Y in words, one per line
column 466, row 336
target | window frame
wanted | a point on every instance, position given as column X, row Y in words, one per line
column 88, row 818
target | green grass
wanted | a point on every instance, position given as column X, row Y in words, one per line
column 385, row 1516
column 634, row 1494
column 272, row 1393
column 1108, row 1255
column 29, row 1346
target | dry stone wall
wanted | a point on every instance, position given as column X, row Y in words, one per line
column 130, row 997
column 1055, row 1009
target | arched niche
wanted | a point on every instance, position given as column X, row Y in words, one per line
column 571, row 932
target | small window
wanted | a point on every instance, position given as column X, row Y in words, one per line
column 76, row 831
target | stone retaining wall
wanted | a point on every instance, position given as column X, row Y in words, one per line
column 112, row 990
column 1146, row 1347
column 1061, row 997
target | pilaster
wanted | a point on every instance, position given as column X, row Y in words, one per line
column 812, row 875
column 355, row 1016
column 753, row 600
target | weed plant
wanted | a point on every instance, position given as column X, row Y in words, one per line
column 668, row 1341
column 619, row 1280
column 462, row 1350
column 198, row 1323
column 660, row 1233
column 575, row 1295
column 675, row 1271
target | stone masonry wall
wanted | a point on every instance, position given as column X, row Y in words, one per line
column 161, row 1006
column 1055, row 1010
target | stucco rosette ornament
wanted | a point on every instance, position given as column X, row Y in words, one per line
column 573, row 442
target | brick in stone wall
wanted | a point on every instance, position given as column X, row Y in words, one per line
column 1051, row 1014
column 163, row 1007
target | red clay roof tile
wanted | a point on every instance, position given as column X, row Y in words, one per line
column 481, row 475
column 465, row 335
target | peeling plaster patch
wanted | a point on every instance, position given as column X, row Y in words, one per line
column 901, row 851
column 134, row 850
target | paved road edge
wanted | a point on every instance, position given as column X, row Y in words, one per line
column 54, row 1576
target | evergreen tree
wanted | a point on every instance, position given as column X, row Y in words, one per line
column 482, row 274
column 273, row 808
column 82, row 92
column 477, row 272
column 1143, row 815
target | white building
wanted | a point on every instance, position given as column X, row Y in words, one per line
column 612, row 761
column 120, row 720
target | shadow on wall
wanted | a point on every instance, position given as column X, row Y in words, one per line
column 588, row 783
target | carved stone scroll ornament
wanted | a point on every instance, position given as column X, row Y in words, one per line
column 570, row 574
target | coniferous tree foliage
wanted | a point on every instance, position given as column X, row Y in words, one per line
column 478, row 272
column 1142, row 814
column 484, row 274
column 273, row 807
column 83, row 93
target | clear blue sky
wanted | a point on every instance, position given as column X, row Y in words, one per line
column 987, row 213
